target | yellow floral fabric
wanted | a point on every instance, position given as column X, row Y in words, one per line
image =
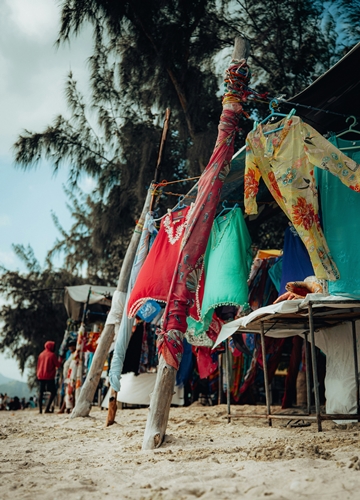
column 285, row 160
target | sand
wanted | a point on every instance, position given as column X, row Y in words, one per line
column 53, row 457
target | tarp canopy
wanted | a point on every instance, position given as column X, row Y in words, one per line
column 76, row 296
column 337, row 90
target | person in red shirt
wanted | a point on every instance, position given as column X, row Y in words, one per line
column 46, row 370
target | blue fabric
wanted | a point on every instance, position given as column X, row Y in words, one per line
column 340, row 207
column 296, row 264
column 149, row 310
column 186, row 365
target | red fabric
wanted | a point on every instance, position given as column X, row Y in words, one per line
column 154, row 278
column 205, row 363
column 47, row 362
column 184, row 283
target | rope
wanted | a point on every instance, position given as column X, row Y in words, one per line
column 165, row 182
column 296, row 104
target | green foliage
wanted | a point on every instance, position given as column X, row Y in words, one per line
column 34, row 311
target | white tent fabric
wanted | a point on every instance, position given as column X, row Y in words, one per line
column 136, row 390
column 340, row 382
column 285, row 307
column 77, row 295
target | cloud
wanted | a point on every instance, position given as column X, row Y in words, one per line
column 36, row 18
column 4, row 220
column 87, row 184
column 7, row 259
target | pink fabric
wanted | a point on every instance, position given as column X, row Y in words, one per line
column 185, row 280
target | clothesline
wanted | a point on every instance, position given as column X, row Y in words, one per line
column 297, row 104
column 169, row 193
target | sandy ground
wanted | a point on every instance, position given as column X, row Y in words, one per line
column 53, row 457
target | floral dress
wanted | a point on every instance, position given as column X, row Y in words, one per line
column 286, row 161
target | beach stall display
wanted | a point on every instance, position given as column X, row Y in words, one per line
column 87, row 307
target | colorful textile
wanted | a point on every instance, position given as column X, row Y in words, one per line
column 262, row 290
column 340, row 208
column 149, row 311
column 154, row 278
column 206, row 359
column 296, row 264
column 226, row 267
column 181, row 295
column 79, row 357
column 286, row 161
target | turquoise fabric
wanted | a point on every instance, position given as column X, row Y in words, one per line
column 340, row 209
column 227, row 265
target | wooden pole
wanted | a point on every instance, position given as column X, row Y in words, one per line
column 159, row 406
column 160, row 154
column 160, row 402
column 84, row 402
column 110, row 419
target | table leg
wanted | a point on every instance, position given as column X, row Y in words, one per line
column 356, row 365
column 266, row 378
column 307, row 368
column 314, row 367
column 227, row 353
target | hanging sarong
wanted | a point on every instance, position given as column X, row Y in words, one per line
column 186, row 276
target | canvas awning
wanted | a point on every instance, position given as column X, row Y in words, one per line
column 75, row 296
column 337, row 90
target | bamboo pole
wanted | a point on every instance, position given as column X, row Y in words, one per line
column 160, row 402
column 84, row 402
column 111, row 415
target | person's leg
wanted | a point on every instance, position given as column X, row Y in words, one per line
column 41, row 394
column 52, row 388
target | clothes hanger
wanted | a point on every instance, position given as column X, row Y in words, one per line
column 350, row 130
column 272, row 105
column 178, row 209
column 225, row 209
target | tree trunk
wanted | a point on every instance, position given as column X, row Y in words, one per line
column 84, row 402
column 159, row 406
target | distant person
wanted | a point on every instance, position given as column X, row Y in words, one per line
column 14, row 404
column 5, row 401
column 67, row 403
column 31, row 403
column 1, row 401
column 46, row 371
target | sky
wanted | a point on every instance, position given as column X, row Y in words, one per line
column 32, row 80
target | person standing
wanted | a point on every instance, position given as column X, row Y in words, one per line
column 46, row 370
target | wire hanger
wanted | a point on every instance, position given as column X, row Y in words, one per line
column 273, row 104
column 350, row 130
column 224, row 210
column 180, row 205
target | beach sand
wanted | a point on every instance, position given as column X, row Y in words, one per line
column 50, row 456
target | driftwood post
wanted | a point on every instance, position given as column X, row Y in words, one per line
column 110, row 419
column 83, row 404
column 161, row 397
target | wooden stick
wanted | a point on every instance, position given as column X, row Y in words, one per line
column 159, row 406
column 164, row 386
column 110, row 419
column 84, row 402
